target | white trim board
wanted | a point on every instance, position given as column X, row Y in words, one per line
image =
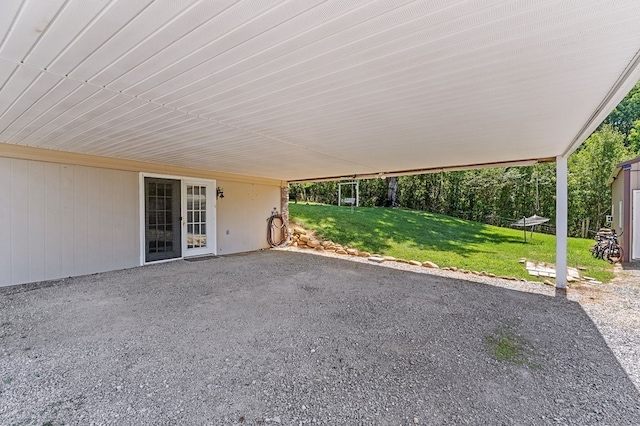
column 635, row 225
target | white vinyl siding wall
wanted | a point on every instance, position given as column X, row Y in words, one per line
column 61, row 220
column 243, row 212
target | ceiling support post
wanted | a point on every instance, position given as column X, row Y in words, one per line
column 561, row 221
column 284, row 202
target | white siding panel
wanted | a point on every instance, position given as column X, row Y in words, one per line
column 635, row 220
column 119, row 213
column 19, row 221
column 242, row 216
column 95, row 232
column 102, row 224
column 130, row 202
column 36, row 216
column 67, row 220
column 80, row 225
column 5, row 221
column 53, row 234
column 62, row 220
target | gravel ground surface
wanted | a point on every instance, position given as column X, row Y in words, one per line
column 615, row 309
column 279, row 337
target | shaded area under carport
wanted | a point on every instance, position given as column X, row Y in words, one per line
column 281, row 336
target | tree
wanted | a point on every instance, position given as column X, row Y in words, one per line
column 392, row 192
column 626, row 114
column 634, row 138
column 589, row 171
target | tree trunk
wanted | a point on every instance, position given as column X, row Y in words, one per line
column 392, row 192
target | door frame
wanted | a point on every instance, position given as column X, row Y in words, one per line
column 176, row 225
column 210, row 222
column 635, row 225
column 211, row 216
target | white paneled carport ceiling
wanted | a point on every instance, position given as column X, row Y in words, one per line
column 308, row 88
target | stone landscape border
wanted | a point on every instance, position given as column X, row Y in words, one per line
column 306, row 239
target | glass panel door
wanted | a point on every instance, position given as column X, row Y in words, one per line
column 162, row 219
column 196, row 216
column 199, row 215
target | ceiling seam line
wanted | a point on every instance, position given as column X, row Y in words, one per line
column 19, row 97
column 244, row 24
column 75, row 118
column 128, row 51
column 12, row 27
column 99, row 88
column 63, row 113
column 182, row 37
column 232, row 47
column 44, row 32
column 88, row 27
column 81, row 141
column 130, row 125
column 68, row 139
column 74, row 91
column 306, row 46
column 348, row 68
column 353, row 43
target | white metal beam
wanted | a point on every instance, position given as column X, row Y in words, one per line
column 561, row 221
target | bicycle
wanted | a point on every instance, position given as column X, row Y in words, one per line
column 606, row 246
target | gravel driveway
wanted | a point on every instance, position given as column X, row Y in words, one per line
column 279, row 337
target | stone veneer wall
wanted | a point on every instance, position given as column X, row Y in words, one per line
column 284, row 203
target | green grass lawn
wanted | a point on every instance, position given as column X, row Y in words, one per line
column 447, row 241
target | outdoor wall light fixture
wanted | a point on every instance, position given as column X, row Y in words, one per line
column 219, row 192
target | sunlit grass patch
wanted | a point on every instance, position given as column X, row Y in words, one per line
column 447, row 241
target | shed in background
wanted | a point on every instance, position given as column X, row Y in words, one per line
column 625, row 196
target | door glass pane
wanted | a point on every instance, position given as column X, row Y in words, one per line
column 162, row 213
column 196, row 214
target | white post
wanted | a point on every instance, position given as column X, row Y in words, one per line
column 358, row 193
column 339, row 193
column 561, row 221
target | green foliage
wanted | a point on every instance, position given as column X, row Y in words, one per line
column 634, row 138
column 626, row 114
column 589, row 171
column 480, row 195
column 445, row 240
column 319, row 192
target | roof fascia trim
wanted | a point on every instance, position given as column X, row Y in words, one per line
column 63, row 157
column 628, row 78
column 381, row 175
